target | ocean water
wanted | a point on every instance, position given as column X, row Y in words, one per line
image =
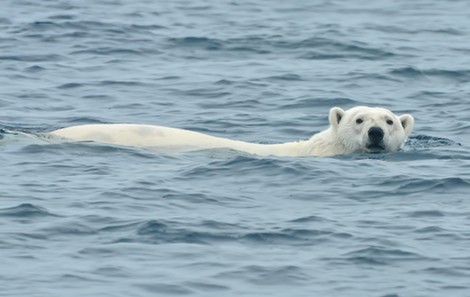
column 85, row 219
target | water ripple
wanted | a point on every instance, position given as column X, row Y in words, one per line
column 26, row 210
column 375, row 255
column 415, row 73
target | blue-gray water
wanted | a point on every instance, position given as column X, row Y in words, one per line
column 81, row 219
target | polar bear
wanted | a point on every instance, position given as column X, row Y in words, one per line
column 357, row 130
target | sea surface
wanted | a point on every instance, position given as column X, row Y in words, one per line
column 88, row 219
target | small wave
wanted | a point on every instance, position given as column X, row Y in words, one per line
column 86, row 120
column 199, row 42
column 159, row 232
column 26, row 210
column 268, row 274
column 62, row 17
column 72, row 228
column 206, row 286
column 64, row 25
column 287, row 236
column 319, row 47
column 408, row 72
column 248, row 44
column 34, row 69
column 411, row 31
column 33, row 58
column 435, row 185
column 108, row 51
column 426, row 213
column 243, row 164
column 70, row 86
column 120, row 83
column 430, row 229
column 16, row 134
column 416, row 73
column 309, row 219
column 152, row 227
column 376, row 255
column 287, row 77
column 56, row 145
column 449, row 271
column 425, row 141
column 207, row 93
column 4, row 21
column 71, row 277
column 432, row 232
column 330, row 48
column 164, row 289
column 131, row 226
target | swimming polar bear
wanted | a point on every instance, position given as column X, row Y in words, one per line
column 357, row 130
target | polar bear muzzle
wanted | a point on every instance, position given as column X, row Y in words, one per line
column 376, row 134
column 376, row 137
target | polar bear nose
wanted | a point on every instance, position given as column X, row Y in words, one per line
column 376, row 134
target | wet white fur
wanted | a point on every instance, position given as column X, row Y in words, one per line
column 344, row 136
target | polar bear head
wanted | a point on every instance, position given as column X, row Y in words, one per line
column 370, row 129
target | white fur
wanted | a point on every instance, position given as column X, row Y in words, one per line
column 344, row 135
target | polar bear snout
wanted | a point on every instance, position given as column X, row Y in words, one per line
column 376, row 140
column 376, row 134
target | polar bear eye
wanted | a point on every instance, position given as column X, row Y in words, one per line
column 390, row 122
column 359, row 121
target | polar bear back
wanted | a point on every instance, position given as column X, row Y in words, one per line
column 139, row 135
column 172, row 139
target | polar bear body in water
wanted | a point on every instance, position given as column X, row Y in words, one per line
column 357, row 130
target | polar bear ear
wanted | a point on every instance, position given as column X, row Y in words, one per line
column 336, row 114
column 407, row 122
